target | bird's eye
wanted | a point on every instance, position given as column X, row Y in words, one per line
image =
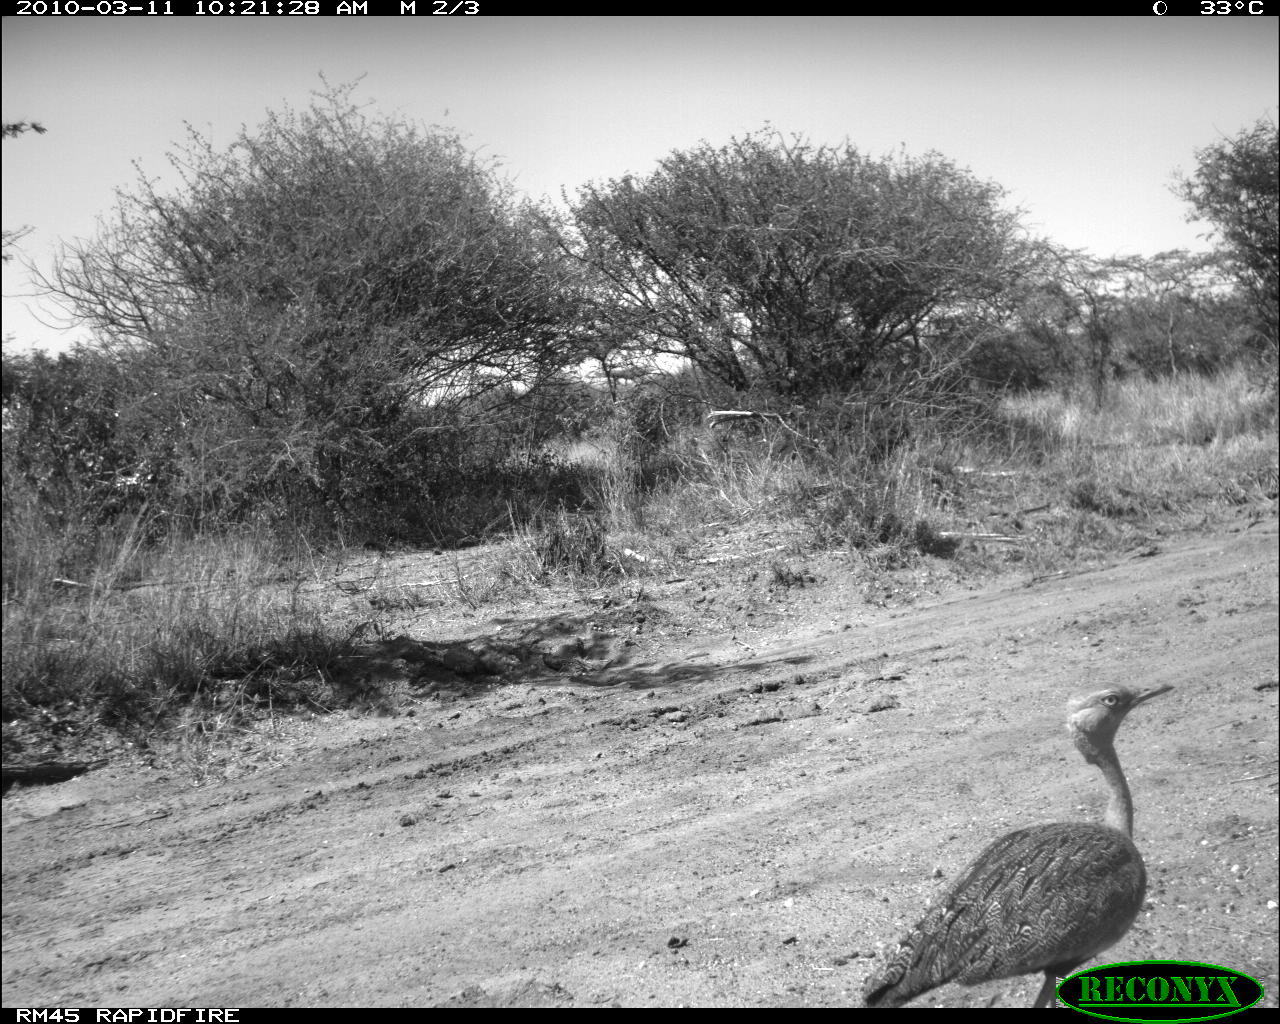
column 1110, row 700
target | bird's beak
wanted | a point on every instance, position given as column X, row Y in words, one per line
column 1146, row 695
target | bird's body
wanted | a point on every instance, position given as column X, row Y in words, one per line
column 1005, row 914
column 1046, row 898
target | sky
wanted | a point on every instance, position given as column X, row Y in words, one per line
column 1085, row 121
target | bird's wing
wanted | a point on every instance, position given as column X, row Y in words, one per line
column 1042, row 898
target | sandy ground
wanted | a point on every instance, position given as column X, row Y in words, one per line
column 717, row 791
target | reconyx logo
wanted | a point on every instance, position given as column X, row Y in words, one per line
column 1159, row 990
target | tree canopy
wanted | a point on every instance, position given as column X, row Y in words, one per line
column 792, row 267
column 1236, row 188
column 321, row 284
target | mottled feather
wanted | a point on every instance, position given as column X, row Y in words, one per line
column 1046, row 898
column 1055, row 895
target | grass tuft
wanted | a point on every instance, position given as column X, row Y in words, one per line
column 113, row 637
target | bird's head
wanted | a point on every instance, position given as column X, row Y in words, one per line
column 1094, row 719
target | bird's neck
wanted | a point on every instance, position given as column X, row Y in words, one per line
column 1120, row 807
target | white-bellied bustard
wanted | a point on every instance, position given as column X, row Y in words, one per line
column 1046, row 898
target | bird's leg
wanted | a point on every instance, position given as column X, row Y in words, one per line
column 1048, row 991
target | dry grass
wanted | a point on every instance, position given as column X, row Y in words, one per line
column 192, row 637
column 1155, row 458
column 1185, row 409
column 1066, row 479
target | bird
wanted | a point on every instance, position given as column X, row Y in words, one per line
column 1045, row 898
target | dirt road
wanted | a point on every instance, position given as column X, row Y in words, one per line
column 745, row 819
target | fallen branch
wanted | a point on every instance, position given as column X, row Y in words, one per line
column 715, row 559
column 995, row 538
column 719, row 416
column 987, row 472
column 1251, row 778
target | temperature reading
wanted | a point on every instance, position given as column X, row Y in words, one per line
column 1227, row 6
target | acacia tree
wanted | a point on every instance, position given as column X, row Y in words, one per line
column 1178, row 314
column 1084, row 320
column 319, row 284
column 1236, row 188
column 792, row 267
